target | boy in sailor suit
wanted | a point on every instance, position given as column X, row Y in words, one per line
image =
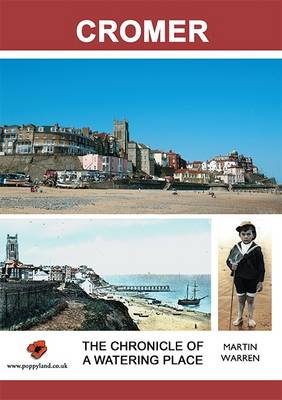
column 246, row 262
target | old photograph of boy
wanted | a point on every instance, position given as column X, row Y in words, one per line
column 245, row 275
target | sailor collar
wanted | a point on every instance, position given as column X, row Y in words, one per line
column 251, row 248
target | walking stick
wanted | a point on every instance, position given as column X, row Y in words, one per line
column 231, row 305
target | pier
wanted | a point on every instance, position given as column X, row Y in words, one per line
column 142, row 288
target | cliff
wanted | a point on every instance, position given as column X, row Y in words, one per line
column 100, row 314
column 35, row 165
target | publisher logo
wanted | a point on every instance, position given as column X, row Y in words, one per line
column 37, row 349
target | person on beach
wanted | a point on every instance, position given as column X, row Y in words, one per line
column 247, row 265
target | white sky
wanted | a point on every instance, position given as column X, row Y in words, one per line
column 118, row 246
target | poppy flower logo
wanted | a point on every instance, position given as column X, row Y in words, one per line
column 37, row 349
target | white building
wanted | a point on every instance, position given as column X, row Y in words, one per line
column 232, row 175
column 80, row 275
column 213, row 166
column 87, row 285
column 220, row 163
column 160, row 158
column 229, row 164
column 40, row 276
column 238, row 173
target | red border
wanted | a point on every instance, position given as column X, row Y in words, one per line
column 139, row 390
column 51, row 24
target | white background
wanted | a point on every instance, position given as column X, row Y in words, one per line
column 68, row 347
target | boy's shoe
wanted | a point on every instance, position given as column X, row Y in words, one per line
column 251, row 323
column 238, row 321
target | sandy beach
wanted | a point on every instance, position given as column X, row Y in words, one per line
column 118, row 201
column 162, row 318
column 262, row 313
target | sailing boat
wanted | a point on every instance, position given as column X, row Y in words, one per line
column 194, row 300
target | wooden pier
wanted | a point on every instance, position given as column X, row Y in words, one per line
column 143, row 288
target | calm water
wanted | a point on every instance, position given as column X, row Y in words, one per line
column 177, row 283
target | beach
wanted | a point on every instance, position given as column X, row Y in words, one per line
column 147, row 317
column 15, row 200
column 262, row 313
column 164, row 318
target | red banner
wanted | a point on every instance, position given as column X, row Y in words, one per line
column 131, row 390
column 52, row 25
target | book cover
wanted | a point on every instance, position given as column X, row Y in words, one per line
column 140, row 199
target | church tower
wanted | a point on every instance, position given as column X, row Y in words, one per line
column 12, row 248
column 121, row 133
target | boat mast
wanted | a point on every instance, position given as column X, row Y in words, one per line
column 195, row 290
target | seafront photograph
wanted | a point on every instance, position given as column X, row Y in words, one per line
column 105, row 274
column 140, row 136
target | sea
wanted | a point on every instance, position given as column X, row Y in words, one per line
column 177, row 283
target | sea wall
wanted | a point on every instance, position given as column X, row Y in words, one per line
column 22, row 300
column 189, row 186
column 254, row 187
column 149, row 185
column 128, row 184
